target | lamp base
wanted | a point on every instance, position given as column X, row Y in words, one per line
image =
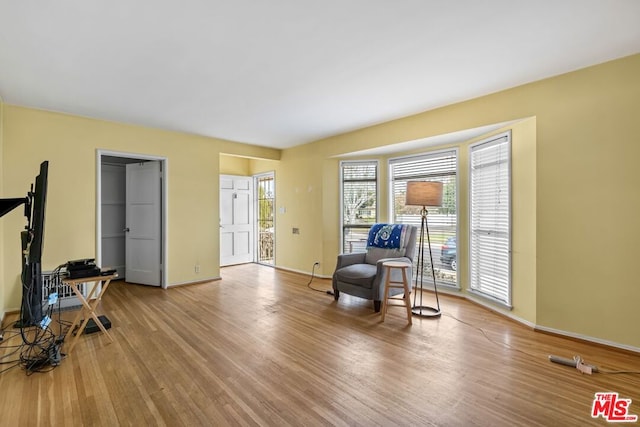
column 424, row 311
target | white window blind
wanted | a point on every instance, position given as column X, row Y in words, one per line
column 436, row 166
column 359, row 203
column 490, row 218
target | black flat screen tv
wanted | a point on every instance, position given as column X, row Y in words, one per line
column 32, row 243
column 37, row 217
column 31, row 246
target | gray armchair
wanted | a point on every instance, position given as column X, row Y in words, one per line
column 361, row 274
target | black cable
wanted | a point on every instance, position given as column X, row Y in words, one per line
column 8, row 347
column 40, row 348
column 4, row 345
column 40, row 351
column 6, row 337
column 4, row 356
column 510, row 347
column 313, row 270
column 10, row 367
column 484, row 333
column 58, row 275
column 608, row 372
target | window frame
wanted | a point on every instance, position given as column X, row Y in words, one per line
column 391, row 197
column 494, row 139
column 377, row 204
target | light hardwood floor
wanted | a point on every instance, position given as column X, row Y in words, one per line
column 260, row 348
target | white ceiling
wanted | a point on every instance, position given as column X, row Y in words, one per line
column 284, row 72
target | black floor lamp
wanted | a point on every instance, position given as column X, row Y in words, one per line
column 424, row 193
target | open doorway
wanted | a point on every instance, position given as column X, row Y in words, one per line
column 265, row 218
column 131, row 206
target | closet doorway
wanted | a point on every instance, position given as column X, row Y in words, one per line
column 131, row 216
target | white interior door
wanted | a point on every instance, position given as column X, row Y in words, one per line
column 143, row 223
column 236, row 219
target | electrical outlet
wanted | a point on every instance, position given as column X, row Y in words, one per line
column 197, row 268
column 316, row 264
column 295, row 230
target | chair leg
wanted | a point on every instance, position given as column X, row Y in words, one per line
column 336, row 294
column 407, row 295
column 376, row 306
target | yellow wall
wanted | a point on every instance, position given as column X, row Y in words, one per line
column 588, row 202
column 585, row 137
column 70, row 144
column 234, row 165
column 299, row 192
column 523, row 219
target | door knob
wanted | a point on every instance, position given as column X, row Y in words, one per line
column 126, row 230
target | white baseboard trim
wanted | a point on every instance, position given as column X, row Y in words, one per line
column 587, row 338
column 194, row 282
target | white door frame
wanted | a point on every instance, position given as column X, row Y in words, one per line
column 165, row 203
column 256, row 209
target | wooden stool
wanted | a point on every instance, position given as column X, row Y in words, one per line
column 88, row 309
column 388, row 284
